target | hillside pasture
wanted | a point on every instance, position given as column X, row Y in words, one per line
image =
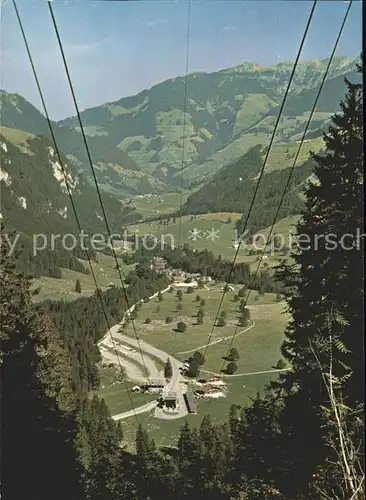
column 64, row 288
column 216, row 233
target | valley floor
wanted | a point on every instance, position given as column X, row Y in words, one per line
column 258, row 346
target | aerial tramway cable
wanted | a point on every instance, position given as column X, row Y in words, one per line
column 70, row 196
column 183, row 139
column 331, row 57
column 95, row 179
column 263, row 169
column 184, row 120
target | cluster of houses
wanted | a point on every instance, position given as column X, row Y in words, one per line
column 178, row 277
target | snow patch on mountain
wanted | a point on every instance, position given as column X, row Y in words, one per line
column 4, row 176
column 23, row 202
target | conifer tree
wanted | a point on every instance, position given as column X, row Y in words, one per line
column 145, row 446
column 39, row 427
column 326, row 308
column 168, row 370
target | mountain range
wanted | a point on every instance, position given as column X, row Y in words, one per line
column 221, row 117
column 222, row 126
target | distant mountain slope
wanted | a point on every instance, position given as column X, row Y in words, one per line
column 233, row 187
column 227, row 113
column 116, row 171
column 34, row 200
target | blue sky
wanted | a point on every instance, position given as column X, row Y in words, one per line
column 115, row 49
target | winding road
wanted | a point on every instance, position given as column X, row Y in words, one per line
column 141, row 409
column 218, row 340
column 114, row 340
column 139, row 354
column 175, row 384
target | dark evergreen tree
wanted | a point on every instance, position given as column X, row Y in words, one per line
column 231, row 368
column 39, row 426
column 234, row 354
column 327, row 321
column 221, row 321
column 168, row 370
column 198, row 356
column 145, row 446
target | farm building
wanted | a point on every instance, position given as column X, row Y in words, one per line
column 190, row 402
column 170, row 400
column 155, row 383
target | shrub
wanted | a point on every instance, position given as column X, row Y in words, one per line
column 221, row 321
column 168, row 319
column 281, row 364
column 234, row 354
column 148, row 320
column 181, row 327
column 231, row 367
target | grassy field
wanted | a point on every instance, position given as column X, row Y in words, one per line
column 64, row 288
column 114, row 392
column 18, row 137
column 216, row 234
column 267, row 331
column 259, row 350
column 159, row 204
column 282, row 155
column 164, row 336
